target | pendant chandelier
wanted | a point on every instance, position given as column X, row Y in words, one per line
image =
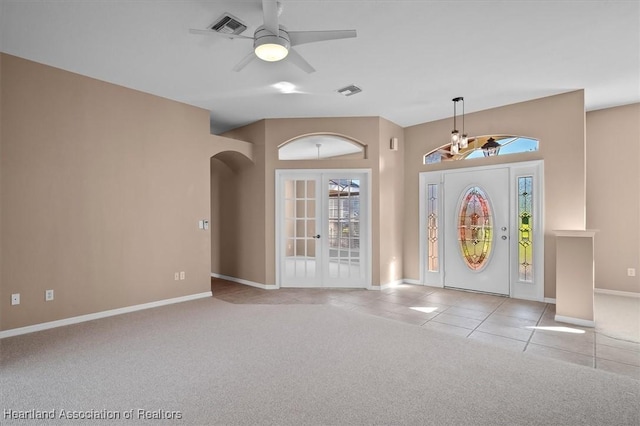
column 458, row 141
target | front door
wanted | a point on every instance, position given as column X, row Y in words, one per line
column 477, row 229
column 322, row 228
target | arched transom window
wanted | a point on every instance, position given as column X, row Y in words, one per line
column 483, row 146
column 321, row 146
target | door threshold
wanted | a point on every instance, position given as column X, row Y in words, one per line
column 477, row 291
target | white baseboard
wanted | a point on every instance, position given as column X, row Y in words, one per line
column 616, row 292
column 549, row 300
column 575, row 321
column 90, row 317
column 410, row 281
column 245, row 282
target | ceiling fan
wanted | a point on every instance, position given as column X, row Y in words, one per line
column 273, row 42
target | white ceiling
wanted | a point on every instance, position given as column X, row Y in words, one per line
column 410, row 57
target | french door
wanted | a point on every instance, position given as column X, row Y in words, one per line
column 323, row 231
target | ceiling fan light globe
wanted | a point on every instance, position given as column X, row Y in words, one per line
column 271, row 52
column 271, row 47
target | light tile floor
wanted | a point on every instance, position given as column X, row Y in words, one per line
column 510, row 323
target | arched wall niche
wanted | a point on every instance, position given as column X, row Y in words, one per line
column 322, row 146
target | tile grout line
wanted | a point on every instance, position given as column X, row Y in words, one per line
column 482, row 322
column 526, row 345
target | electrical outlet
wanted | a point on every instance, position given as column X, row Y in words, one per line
column 15, row 299
column 48, row 295
column 631, row 272
column 176, row 276
column 182, row 275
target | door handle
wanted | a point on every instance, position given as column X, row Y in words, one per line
column 316, row 236
column 504, row 237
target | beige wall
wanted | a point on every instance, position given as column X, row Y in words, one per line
column 556, row 121
column 224, row 202
column 244, row 226
column 391, row 203
column 102, row 189
column 373, row 132
column 271, row 134
column 613, row 204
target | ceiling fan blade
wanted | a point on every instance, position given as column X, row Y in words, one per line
column 245, row 61
column 302, row 37
column 295, row 58
column 270, row 12
column 215, row 33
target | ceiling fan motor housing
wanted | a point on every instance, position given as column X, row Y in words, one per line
column 270, row 47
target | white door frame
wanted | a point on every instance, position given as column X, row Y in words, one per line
column 517, row 289
column 365, row 210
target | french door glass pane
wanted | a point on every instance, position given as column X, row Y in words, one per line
column 300, row 228
column 344, row 228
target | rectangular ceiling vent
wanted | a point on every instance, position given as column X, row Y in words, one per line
column 349, row 90
column 228, row 24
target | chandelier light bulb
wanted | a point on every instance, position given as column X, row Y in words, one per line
column 464, row 141
column 454, row 148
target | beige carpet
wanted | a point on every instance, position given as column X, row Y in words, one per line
column 212, row 362
column 618, row 317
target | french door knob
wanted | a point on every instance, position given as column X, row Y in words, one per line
column 317, row 236
column 504, row 237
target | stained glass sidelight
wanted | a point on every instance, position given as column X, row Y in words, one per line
column 432, row 227
column 475, row 228
column 525, row 228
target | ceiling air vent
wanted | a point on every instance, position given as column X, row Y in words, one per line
column 228, row 24
column 349, row 90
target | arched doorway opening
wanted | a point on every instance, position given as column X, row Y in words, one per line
column 228, row 220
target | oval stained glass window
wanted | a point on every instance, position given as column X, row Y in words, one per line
column 475, row 231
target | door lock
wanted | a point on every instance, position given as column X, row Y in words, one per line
column 504, row 237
